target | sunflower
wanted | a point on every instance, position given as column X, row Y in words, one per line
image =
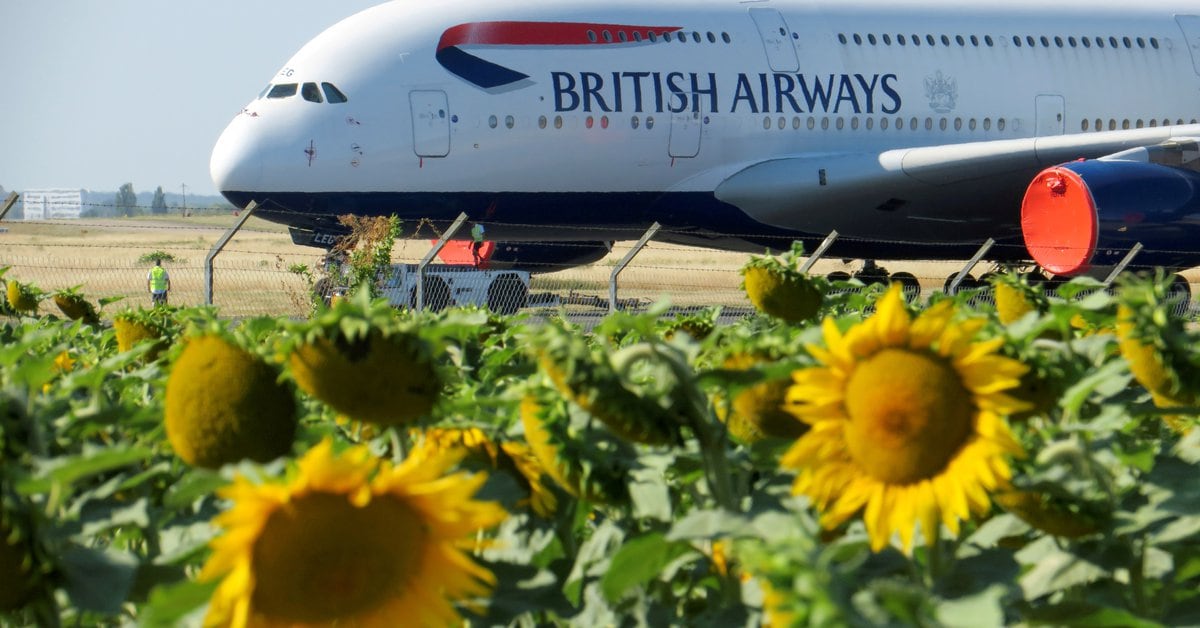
column 906, row 420
column 386, row 379
column 756, row 412
column 224, row 404
column 351, row 540
column 513, row 457
column 22, row 297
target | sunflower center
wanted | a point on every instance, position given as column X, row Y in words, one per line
column 320, row 559
column 909, row 413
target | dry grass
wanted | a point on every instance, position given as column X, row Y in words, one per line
column 251, row 275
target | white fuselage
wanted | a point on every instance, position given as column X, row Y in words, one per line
column 843, row 91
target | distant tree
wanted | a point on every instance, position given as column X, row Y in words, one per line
column 125, row 203
column 159, row 204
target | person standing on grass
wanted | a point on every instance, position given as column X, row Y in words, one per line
column 477, row 244
column 158, row 282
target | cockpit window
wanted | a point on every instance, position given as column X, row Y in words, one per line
column 310, row 92
column 333, row 94
column 265, row 90
column 282, row 90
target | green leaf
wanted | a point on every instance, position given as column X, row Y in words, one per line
column 982, row 609
column 1054, row 570
column 170, row 604
column 97, row 580
column 192, row 486
column 639, row 561
column 91, row 462
column 707, row 524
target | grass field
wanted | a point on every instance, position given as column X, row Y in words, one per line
column 251, row 275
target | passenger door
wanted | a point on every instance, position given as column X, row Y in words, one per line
column 1049, row 111
column 777, row 40
column 431, row 123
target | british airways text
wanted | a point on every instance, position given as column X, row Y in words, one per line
column 750, row 93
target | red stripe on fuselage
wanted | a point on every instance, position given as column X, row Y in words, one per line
column 543, row 33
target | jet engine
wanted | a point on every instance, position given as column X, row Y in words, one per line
column 1089, row 214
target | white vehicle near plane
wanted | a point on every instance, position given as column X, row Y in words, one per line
column 917, row 129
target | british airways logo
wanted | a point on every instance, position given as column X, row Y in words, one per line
column 645, row 91
column 490, row 75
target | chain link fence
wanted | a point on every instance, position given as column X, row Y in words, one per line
column 257, row 272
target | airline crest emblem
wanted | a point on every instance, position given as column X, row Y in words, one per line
column 942, row 92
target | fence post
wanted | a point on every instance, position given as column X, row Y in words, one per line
column 816, row 255
column 962, row 274
column 212, row 253
column 420, row 287
column 8, row 204
column 1137, row 248
column 637, row 248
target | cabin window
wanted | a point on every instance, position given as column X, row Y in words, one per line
column 725, row 38
column 541, row 122
column 492, row 122
column 509, row 122
column 1127, row 42
column 1045, row 42
column 782, row 123
column 883, row 124
column 887, row 39
column 1154, row 43
column 558, row 121
column 1099, row 42
column 971, row 124
column 1141, row 42
column 1153, row 123
column 309, row 92
column 1030, row 40
column 987, row 39
column 960, row 40
column 649, row 122
column 1139, row 124
column 812, row 123
column 654, row 36
column 637, row 36
column 606, row 35
column 795, row 123
column 958, row 124
column 1000, row 124
column 987, row 124
column 842, row 38
column 1058, row 41
column 634, row 122
column 591, row 35
column 871, row 39
column 1071, row 41
column 1087, row 42
column 841, row 124
column 870, row 123
column 900, row 40
column 1113, row 42
column 942, row 124
column 696, row 37
column 945, row 40
column 824, row 124
column 928, row 124
column 912, row 124
column 622, row 36
column 283, row 90
column 712, row 39
column 853, row 124
column 930, row 40
column 916, row 39
column 974, row 41
column 333, row 94
column 1083, row 126
column 767, row 123
column 857, row 39
column 1017, row 41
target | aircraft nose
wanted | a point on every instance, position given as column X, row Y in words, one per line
column 236, row 162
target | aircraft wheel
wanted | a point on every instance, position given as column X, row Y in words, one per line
column 968, row 283
column 838, row 275
column 909, row 284
column 507, row 294
column 1181, row 290
column 437, row 295
column 323, row 288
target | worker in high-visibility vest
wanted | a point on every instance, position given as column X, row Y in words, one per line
column 477, row 242
column 158, row 282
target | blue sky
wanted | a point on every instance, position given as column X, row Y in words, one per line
column 99, row 93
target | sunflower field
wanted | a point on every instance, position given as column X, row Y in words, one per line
column 849, row 456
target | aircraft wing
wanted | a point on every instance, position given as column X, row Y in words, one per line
column 950, row 193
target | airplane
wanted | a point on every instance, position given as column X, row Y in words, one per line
column 917, row 129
